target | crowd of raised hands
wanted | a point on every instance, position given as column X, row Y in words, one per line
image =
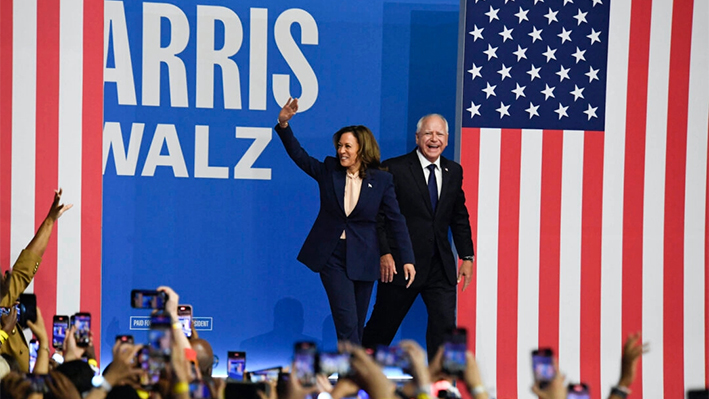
column 186, row 370
column 186, row 374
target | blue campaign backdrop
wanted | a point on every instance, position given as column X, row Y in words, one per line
column 198, row 192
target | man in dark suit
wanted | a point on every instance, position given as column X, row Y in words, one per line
column 430, row 194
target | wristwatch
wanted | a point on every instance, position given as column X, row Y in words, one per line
column 470, row 258
column 99, row 382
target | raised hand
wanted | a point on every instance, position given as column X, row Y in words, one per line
column 287, row 111
column 632, row 350
column 58, row 209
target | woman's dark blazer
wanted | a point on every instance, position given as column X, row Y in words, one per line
column 360, row 226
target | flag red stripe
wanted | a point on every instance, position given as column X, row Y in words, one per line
column 549, row 244
column 678, row 103
column 47, row 144
column 470, row 161
column 5, row 130
column 92, row 121
column 634, row 180
column 592, row 213
column 508, row 262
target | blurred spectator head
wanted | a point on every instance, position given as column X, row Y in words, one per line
column 205, row 356
column 79, row 373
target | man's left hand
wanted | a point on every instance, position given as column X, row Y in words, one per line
column 465, row 272
column 409, row 274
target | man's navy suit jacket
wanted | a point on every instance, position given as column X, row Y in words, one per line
column 377, row 193
column 428, row 228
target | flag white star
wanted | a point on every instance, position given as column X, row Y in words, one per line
column 592, row 74
column 578, row 92
column 591, row 112
column 477, row 33
column 493, row 14
column 503, row 110
column 597, row 2
column 520, row 53
column 563, row 73
column 505, row 72
column 581, row 17
column 532, row 110
column 568, row 1
column 522, row 15
column 562, row 111
column 490, row 90
column 491, row 52
column 508, row 0
column 551, row 16
column 519, row 91
column 564, row 35
column 474, row 109
column 506, row 34
column 475, row 71
column 536, row 34
column 548, row 92
column 538, row 1
column 579, row 55
column 534, row 73
column 549, row 54
column 594, row 36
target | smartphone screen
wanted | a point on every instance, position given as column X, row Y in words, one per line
column 265, row 375
column 59, row 326
column 454, row 348
column 199, row 390
column 334, row 363
column 34, row 347
column 147, row 299
column 543, row 366
column 151, row 365
column 305, row 363
column 38, row 382
column 5, row 310
column 577, row 391
column 236, row 364
column 160, row 335
column 391, row 356
column 184, row 313
column 82, row 322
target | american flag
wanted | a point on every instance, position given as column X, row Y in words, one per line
column 584, row 145
column 51, row 118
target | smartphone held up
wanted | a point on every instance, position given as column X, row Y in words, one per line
column 543, row 366
column 454, row 348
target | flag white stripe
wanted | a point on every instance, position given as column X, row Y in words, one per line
column 570, row 255
column 695, row 200
column 24, row 93
column 69, row 157
column 488, row 221
column 528, row 277
column 613, row 181
column 654, row 195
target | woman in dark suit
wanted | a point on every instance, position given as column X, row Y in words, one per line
column 342, row 245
